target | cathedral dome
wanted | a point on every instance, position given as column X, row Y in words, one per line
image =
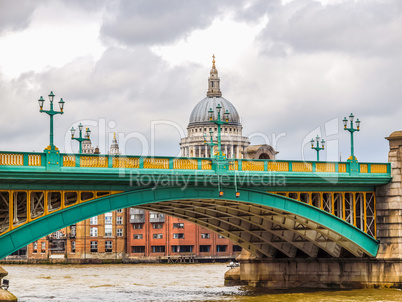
column 199, row 115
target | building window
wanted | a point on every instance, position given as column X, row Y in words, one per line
column 158, row 236
column 205, row 248
column 72, row 246
column 93, row 232
column 94, row 246
column 119, row 211
column 108, row 230
column 138, row 249
column 73, row 230
column 178, row 235
column 108, row 246
column 236, row 248
column 205, row 235
column 137, row 236
column 182, row 248
column 178, row 225
column 93, row 220
column 137, row 216
column 35, row 247
column 108, row 218
column 158, row 249
column 138, row 226
column 119, row 232
column 157, row 225
column 119, row 220
column 220, row 237
column 221, row 248
column 153, row 215
column 43, row 247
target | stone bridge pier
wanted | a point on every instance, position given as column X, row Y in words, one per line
column 385, row 270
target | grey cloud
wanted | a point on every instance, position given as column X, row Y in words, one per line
column 16, row 15
column 131, row 87
column 360, row 27
column 160, row 21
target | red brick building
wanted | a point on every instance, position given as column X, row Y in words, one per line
column 154, row 235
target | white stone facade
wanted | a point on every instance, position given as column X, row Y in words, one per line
column 232, row 140
column 87, row 147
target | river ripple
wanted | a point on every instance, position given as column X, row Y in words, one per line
column 156, row 282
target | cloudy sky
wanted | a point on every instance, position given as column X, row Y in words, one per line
column 293, row 69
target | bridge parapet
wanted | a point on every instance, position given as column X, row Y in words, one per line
column 31, row 159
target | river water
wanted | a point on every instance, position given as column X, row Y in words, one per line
column 156, row 282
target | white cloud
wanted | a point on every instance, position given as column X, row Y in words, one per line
column 309, row 64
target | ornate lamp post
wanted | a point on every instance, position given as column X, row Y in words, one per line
column 211, row 144
column 51, row 113
column 219, row 122
column 317, row 148
column 351, row 130
column 80, row 139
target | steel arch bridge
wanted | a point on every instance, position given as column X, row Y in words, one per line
column 271, row 208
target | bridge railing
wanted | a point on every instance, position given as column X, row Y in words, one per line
column 22, row 158
column 36, row 159
column 180, row 163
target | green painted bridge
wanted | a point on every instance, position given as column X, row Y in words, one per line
column 271, row 208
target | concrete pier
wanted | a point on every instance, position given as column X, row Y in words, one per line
column 381, row 272
column 329, row 273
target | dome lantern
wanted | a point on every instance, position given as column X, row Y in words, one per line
column 214, row 82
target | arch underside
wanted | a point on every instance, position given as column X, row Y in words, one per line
column 265, row 224
column 259, row 229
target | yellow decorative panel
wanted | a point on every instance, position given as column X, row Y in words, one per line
column 302, row 167
column 253, row 166
column 375, row 168
column 342, row 168
column 234, row 165
column 325, row 167
column 34, row 160
column 156, row 163
column 69, row 161
column 124, row 162
column 190, row 164
column 11, row 159
column 363, row 168
column 94, row 162
column 278, row 166
column 206, row 164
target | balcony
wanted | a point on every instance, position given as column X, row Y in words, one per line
column 137, row 216
column 156, row 217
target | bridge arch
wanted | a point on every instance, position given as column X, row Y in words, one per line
column 266, row 224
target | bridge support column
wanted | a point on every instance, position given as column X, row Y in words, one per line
column 389, row 205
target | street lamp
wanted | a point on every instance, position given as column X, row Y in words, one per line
column 51, row 113
column 80, row 139
column 317, row 148
column 351, row 130
column 211, row 144
column 219, row 122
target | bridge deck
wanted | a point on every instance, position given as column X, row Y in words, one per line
column 35, row 187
